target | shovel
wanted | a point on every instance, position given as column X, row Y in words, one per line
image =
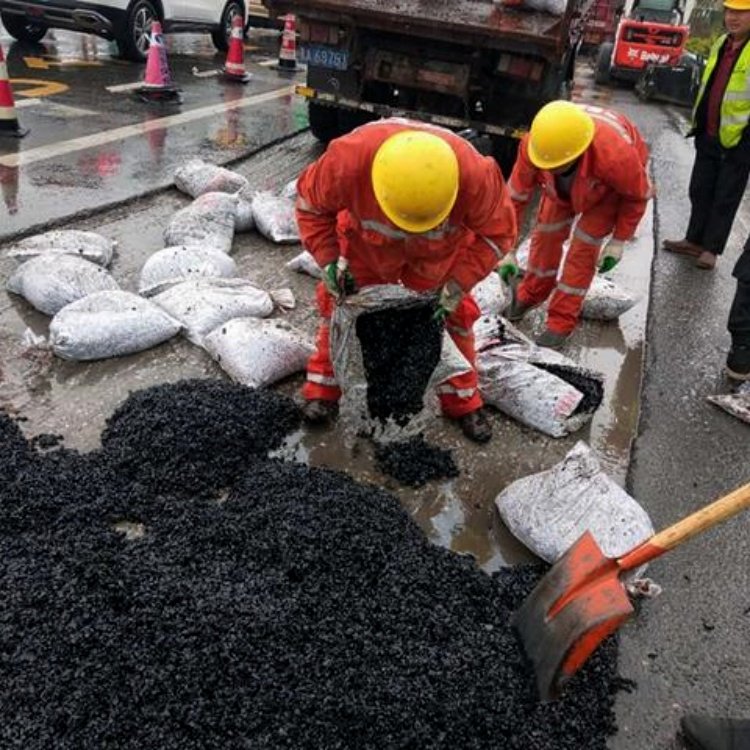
column 581, row 600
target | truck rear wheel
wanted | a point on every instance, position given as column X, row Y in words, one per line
column 504, row 152
column 603, row 73
column 324, row 121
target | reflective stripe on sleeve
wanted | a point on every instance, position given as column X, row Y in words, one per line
column 397, row 234
column 499, row 254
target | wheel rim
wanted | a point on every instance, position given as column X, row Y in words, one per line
column 142, row 21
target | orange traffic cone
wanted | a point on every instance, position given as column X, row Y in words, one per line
column 8, row 121
column 157, row 84
column 288, row 52
column 234, row 68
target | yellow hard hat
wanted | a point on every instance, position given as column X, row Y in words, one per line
column 560, row 133
column 737, row 4
column 415, row 179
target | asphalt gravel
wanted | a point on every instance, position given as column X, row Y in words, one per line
column 400, row 350
column 255, row 604
column 415, row 462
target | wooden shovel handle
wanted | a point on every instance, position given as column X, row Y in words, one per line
column 703, row 519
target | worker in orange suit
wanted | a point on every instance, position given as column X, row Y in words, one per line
column 403, row 202
column 591, row 166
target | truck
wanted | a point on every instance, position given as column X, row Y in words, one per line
column 471, row 65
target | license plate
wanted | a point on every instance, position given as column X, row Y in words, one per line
column 321, row 56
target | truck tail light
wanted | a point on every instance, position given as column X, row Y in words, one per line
column 518, row 66
column 320, row 33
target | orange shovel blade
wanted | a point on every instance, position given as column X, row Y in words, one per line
column 577, row 604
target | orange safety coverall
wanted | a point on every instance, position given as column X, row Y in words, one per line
column 338, row 214
column 609, row 193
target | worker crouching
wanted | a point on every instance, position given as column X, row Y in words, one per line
column 404, row 202
column 591, row 166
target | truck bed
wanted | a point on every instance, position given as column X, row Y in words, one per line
column 459, row 20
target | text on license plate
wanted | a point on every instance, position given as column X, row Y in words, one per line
column 324, row 57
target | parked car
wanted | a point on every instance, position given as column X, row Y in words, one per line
column 128, row 22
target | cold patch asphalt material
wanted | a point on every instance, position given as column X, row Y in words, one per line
column 256, row 603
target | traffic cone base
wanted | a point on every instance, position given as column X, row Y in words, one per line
column 9, row 125
column 157, row 84
column 234, row 68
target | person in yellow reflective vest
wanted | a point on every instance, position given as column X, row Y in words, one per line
column 722, row 142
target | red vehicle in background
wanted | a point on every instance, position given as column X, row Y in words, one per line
column 651, row 33
column 601, row 23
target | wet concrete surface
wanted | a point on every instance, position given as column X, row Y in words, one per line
column 90, row 147
column 687, row 650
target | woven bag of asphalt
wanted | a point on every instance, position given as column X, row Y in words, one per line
column 109, row 324
column 172, row 265
column 207, row 221
column 550, row 510
column 258, row 352
column 388, row 354
column 178, row 589
column 737, row 404
column 198, row 177
column 88, row 245
column 536, row 386
column 203, row 305
column 275, row 217
column 51, row 281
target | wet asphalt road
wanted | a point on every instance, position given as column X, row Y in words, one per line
column 688, row 649
column 91, row 143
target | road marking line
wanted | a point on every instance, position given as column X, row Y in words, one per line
column 40, row 63
column 267, row 63
column 21, row 103
column 38, row 87
column 124, row 87
column 206, row 73
column 40, row 153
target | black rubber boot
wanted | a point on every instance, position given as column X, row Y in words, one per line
column 710, row 733
column 317, row 411
column 476, row 427
column 552, row 340
column 516, row 309
column 738, row 363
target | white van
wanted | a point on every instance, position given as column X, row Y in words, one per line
column 128, row 22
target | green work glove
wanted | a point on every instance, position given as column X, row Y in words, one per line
column 339, row 281
column 508, row 268
column 610, row 255
column 450, row 297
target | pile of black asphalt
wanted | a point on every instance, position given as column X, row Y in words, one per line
column 415, row 462
column 256, row 603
